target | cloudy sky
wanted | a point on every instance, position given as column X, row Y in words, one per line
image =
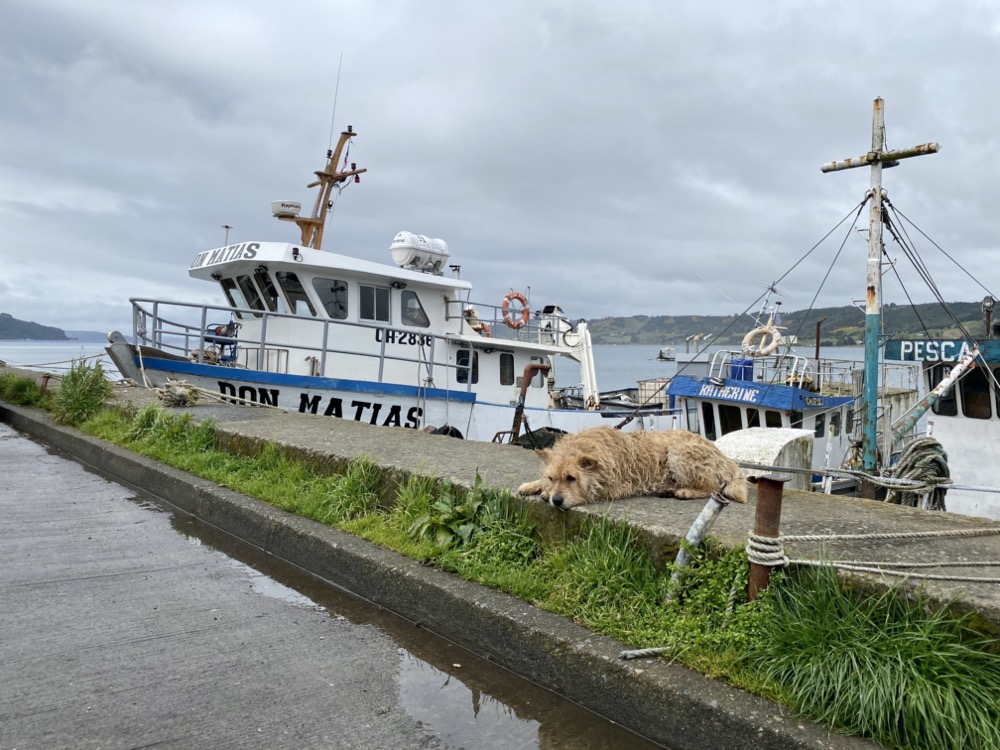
column 615, row 158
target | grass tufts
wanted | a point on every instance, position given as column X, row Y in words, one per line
column 887, row 666
column 20, row 391
column 82, row 393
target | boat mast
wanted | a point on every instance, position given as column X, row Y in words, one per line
column 312, row 226
column 876, row 158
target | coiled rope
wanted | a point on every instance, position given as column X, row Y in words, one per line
column 924, row 460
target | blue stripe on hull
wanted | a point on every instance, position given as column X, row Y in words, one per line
column 748, row 393
column 301, row 381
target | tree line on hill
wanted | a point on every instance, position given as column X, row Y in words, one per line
column 840, row 326
column 13, row 329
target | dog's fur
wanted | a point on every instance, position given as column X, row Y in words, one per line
column 605, row 464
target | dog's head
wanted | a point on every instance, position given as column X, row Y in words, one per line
column 569, row 478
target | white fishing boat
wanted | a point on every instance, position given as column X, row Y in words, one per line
column 404, row 344
column 962, row 377
column 667, row 353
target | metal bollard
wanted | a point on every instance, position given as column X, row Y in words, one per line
column 767, row 523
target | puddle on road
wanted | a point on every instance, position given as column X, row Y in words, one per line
column 466, row 701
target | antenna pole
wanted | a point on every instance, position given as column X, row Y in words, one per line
column 336, row 91
column 877, row 158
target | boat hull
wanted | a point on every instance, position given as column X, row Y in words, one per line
column 458, row 412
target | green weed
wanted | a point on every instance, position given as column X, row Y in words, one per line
column 20, row 391
column 452, row 518
column 82, row 393
column 888, row 666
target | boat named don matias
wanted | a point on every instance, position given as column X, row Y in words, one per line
column 401, row 345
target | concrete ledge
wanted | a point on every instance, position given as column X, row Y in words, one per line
column 669, row 704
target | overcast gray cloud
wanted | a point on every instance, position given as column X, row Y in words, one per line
column 618, row 159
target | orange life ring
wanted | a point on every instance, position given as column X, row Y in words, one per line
column 513, row 321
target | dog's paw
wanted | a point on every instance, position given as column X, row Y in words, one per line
column 686, row 493
column 530, row 488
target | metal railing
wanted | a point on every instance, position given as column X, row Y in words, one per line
column 185, row 333
column 828, row 376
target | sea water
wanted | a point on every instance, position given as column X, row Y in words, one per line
column 616, row 365
column 54, row 356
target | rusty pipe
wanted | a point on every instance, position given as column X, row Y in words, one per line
column 529, row 373
column 766, row 523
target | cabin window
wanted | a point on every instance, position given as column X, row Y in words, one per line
column 795, row 417
column 506, row 368
column 250, row 293
column 464, row 371
column 233, row 295
column 374, row 303
column 849, row 421
column 691, row 415
column 708, row 419
column 772, row 418
column 946, row 405
column 267, row 288
column 295, row 294
column 730, row 418
column 413, row 312
column 976, row 394
column 332, row 295
column 753, row 418
column 835, row 424
column 820, row 430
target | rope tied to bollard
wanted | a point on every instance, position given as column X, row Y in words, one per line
column 766, row 551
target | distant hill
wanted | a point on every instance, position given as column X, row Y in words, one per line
column 13, row 329
column 844, row 326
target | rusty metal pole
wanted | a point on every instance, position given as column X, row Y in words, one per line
column 819, row 324
column 766, row 523
column 529, row 373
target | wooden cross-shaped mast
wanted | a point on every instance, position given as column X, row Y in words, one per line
column 312, row 226
column 877, row 158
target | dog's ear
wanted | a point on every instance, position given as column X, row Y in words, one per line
column 545, row 454
column 588, row 463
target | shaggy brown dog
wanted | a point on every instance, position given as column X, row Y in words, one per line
column 606, row 464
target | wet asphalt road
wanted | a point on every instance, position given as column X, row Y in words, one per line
column 125, row 626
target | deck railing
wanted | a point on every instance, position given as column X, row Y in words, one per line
column 831, row 377
column 181, row 329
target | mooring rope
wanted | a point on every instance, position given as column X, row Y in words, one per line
column 67, row 362
column 769, row 552
column 182, row 393
column 924, row 460
column 891, row 535
column 889, row 571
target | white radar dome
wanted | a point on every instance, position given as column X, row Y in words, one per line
column 419, row 252
column 285, row 208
